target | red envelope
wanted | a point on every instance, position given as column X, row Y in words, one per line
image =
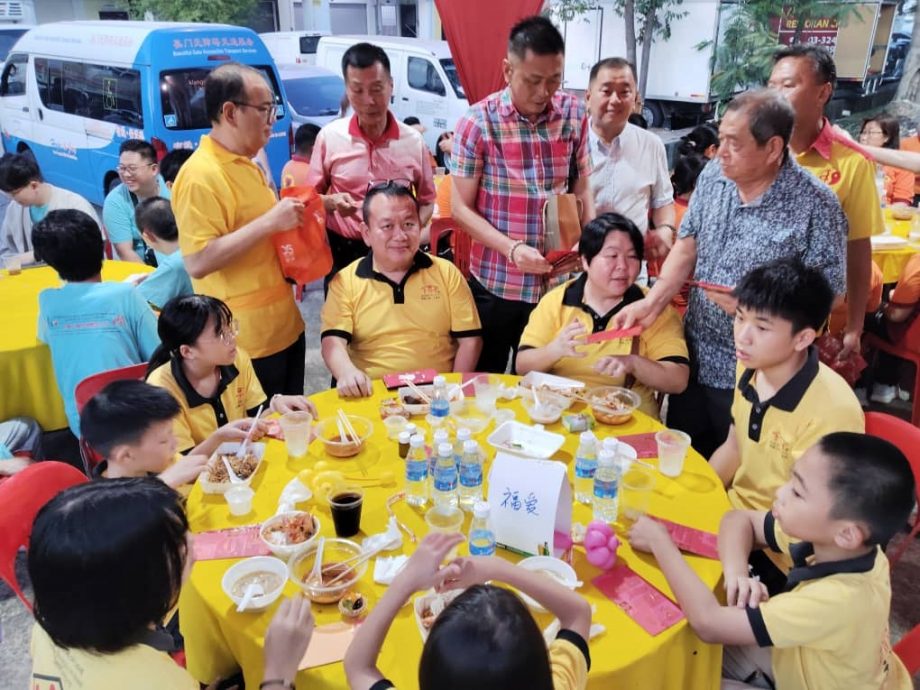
column 422, row 376
column 645, row 444
column 615, row 334
column 710, row 286
column 236, row 542
column 692, row 540
column 642, row 602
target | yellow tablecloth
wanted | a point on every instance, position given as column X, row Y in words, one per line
column 27, row 383
column 218, row 640
column 892, row 261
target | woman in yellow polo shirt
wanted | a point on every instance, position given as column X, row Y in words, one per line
column 554, row 340
column 212, row 379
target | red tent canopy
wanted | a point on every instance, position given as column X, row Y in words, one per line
column 477, row 32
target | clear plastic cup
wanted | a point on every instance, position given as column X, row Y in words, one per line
column 636, row 486
column 239, row 500
column 486, row 389
column 672, row 450
column 296, row 428
column 445, row 519
column 13, row 264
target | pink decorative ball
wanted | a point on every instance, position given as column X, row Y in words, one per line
column 601, row 545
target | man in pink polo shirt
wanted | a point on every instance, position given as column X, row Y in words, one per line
column 352, row 153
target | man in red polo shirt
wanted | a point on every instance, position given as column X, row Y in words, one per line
column 352, row 153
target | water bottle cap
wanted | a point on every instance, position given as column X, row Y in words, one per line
column 606, row 457
column 410, row 428
column 481, row 510
column 439, row 380
column 445, row 450
column 470, row 446
column 404, row 436
column 463, row 433
column 587, row 437
column 610, row 443
column 441, row 435
column 417, row 440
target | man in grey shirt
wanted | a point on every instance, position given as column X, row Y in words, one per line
column 752, row 204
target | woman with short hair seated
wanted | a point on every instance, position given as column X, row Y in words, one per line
column 554, row 341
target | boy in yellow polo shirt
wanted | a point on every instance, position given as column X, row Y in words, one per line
column 847, row 496
column 785, row 399
column 396, row 309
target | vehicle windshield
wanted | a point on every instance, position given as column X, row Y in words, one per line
column 315, row 96
column 182, row 96
column 450, row 69
column 8, row 40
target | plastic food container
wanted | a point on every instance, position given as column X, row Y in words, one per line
column 473, row 419
column 613, row 404
column 544, row 412
column 560, row 571
column 327, row 431
column 218, row 487
column 429, row 606
column 529, row 441
column 335, row 551
column 276, row 568
column 287, row 549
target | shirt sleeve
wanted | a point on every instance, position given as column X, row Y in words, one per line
column 338, row 314
column 902, row 185
column 426, row 190
column 466, row 158
column 665, row 339
column 800, row 618
column 827, row 243
column 543, row 324
column 115, row 218
column 317, row 176
column 200, row 214
column 6, row 244
column 862, row 205
column 144, row 324
column 582, row 153
column 692, row 222
column 464, row 317
column 568, row 661
column 662, row 190
column 181, row 428
column 82, row 204
column 907, row 292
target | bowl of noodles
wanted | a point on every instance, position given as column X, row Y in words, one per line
column 338, row 556
column 612, row 404
column 286, row 534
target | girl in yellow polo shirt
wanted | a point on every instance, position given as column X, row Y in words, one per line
column 212, row 379
column 656, row 360
column 107, row 560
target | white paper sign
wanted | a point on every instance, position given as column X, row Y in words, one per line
column 529, row 500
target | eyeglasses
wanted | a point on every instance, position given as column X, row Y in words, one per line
column 269, row 112
column 132, row 169
column 870, row 132
column 228, row 335
column 397, row 183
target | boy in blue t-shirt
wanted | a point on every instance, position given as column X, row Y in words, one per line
column 158, row 227
column 90, row 326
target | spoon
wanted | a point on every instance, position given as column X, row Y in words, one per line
column 253, row 590
column 316, row 575
column 233, row 478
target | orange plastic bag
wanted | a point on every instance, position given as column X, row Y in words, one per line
column 304, row 251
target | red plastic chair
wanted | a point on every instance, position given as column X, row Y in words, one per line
column 908, row 650
column 460, row 242
column 22, row 496
column 907, row 438
column 907, row 347
column 91, row 385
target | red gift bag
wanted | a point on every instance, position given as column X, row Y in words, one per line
column 304, row 251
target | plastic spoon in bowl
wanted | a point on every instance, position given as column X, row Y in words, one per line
column 241, row 451
column 253, row 590
column 234, row 479
column 316, row 575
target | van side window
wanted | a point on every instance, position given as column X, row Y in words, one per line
column 100, row 92
column 50, row 77
column 424, row 77
column 13, row 81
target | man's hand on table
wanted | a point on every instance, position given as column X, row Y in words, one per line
column 287, row 638
column 184, row 471
column 354, row 384
column 292, row 403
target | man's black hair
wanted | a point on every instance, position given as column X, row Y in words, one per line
column 536, row 34
column 821, row 60
column 155, row 215
column 143, row 148
column 364, row 55
column 17, row 170
column 788, row 289
column 172, row 162
column 122, row 412
column 70, row 242
column 305, row 137
column 392, row 190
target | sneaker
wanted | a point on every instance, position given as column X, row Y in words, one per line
column 861, row 396
column 903, row 394
column 883, row 394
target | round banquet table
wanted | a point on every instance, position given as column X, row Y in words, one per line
column 218, row 640
column 892, row 261
column 29, row 386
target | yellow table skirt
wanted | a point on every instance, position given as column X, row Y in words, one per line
column 27, row 383
column 219, row 640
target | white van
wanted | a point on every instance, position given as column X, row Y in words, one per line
column 425, row 79
column 292, row 47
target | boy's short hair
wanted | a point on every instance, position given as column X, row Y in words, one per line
column 106, row 561
column 143, row 148
column 871, row 482
column 305, row 137
column 789, row 289
column 155, row 215
column 172, row 162
column 70, row 242
column 122, row 412
column 17, row 170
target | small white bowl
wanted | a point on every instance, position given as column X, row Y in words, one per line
column 285, row 551
column 421, row 603
column 234, row 573
column 561, row 571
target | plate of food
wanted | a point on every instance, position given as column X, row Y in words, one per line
column 215, row 479
column 288, row 533
column 429, row 606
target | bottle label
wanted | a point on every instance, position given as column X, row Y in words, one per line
column 440, row 408
column 482, row 543
column 416, row 470
column 445, row 478
column 471, row 474
column 605, row 488
column 585, row 468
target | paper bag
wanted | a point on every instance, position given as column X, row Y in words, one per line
column 304, row 251
column 561, row 226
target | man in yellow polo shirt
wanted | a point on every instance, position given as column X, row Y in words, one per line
column 396, row 309
column 226, row 214
column 806, row 74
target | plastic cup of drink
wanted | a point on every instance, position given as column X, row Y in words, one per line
column 636, row 486
column 445, row 519
column 346, row 511
column 239, row 500
column 486, row 390
column 13, row 265
column 672, row 449
column 296, row 428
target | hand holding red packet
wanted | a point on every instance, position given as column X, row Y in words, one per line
column 692, row 540
column 615, row 334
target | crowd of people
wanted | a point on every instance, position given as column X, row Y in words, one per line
column 730, row 266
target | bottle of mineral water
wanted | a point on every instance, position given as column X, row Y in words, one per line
column 440, row 405
column 417, row 472
column 463, row 435
column 440, row 436
column 470, row 475
column 482, row 538
column 585, row 467
column 445, row 478
column 606, row 484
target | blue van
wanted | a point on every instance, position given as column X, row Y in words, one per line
column 71, row 92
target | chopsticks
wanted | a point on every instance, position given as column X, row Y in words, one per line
column 241, row 451
column 347, row 432
column 359, row 560
column 418, row 391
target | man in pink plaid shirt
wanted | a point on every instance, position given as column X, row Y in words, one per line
column 512, row 151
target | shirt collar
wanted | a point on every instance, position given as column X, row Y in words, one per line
column 506, row 107
column 194, row 398
column 223, row 155
column 365, row 269
column 826, row 138
column 803, row 571
column 300, row 159
column 790, row 395
column 574, row 296
column 390, row 132
column 596, row 143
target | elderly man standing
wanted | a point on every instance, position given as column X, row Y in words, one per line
column 370, row 146
column 512, row 151
column 397, row 308
column 629, row 165
column 806, row 74
column 226, row 215
column 752, row 204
